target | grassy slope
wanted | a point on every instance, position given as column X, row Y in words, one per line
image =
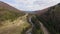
column 6, row 14
column 15, row 27
column 13, row 21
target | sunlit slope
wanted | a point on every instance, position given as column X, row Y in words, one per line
column 12, row 21
column 8, row 13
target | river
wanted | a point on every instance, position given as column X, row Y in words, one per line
column 42, row 27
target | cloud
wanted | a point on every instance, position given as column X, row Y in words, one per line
column 31, row 5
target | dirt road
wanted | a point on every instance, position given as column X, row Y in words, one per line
column 44, row 29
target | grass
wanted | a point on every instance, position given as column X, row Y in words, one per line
column 15, row 22
column 11, row 15
column 16, row 26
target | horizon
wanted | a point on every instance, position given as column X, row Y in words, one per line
column 33, row 5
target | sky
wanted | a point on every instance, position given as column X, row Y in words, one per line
column 31, row 5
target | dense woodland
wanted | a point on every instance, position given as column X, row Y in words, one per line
column 51, row 19
column 36, row 29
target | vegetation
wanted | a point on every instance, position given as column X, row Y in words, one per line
column 6, row 14
column 36, row 29
column 9, row 19
column 51, row 19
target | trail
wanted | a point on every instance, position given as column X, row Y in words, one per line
column 44, row 29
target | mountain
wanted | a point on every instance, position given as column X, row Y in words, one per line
column 51, row 19
column 8, row 12
column 8, row 7
column 12, row 20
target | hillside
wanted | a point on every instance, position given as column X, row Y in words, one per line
column 12, row 20
column 8, row 12
column 51, row 19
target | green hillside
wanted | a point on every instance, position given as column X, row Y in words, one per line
column 11, row 15
column 8, row 15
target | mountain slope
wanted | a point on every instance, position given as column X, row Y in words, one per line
column 51, row 19
column 8, row 7
column 12, row 21
column 8, row 12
